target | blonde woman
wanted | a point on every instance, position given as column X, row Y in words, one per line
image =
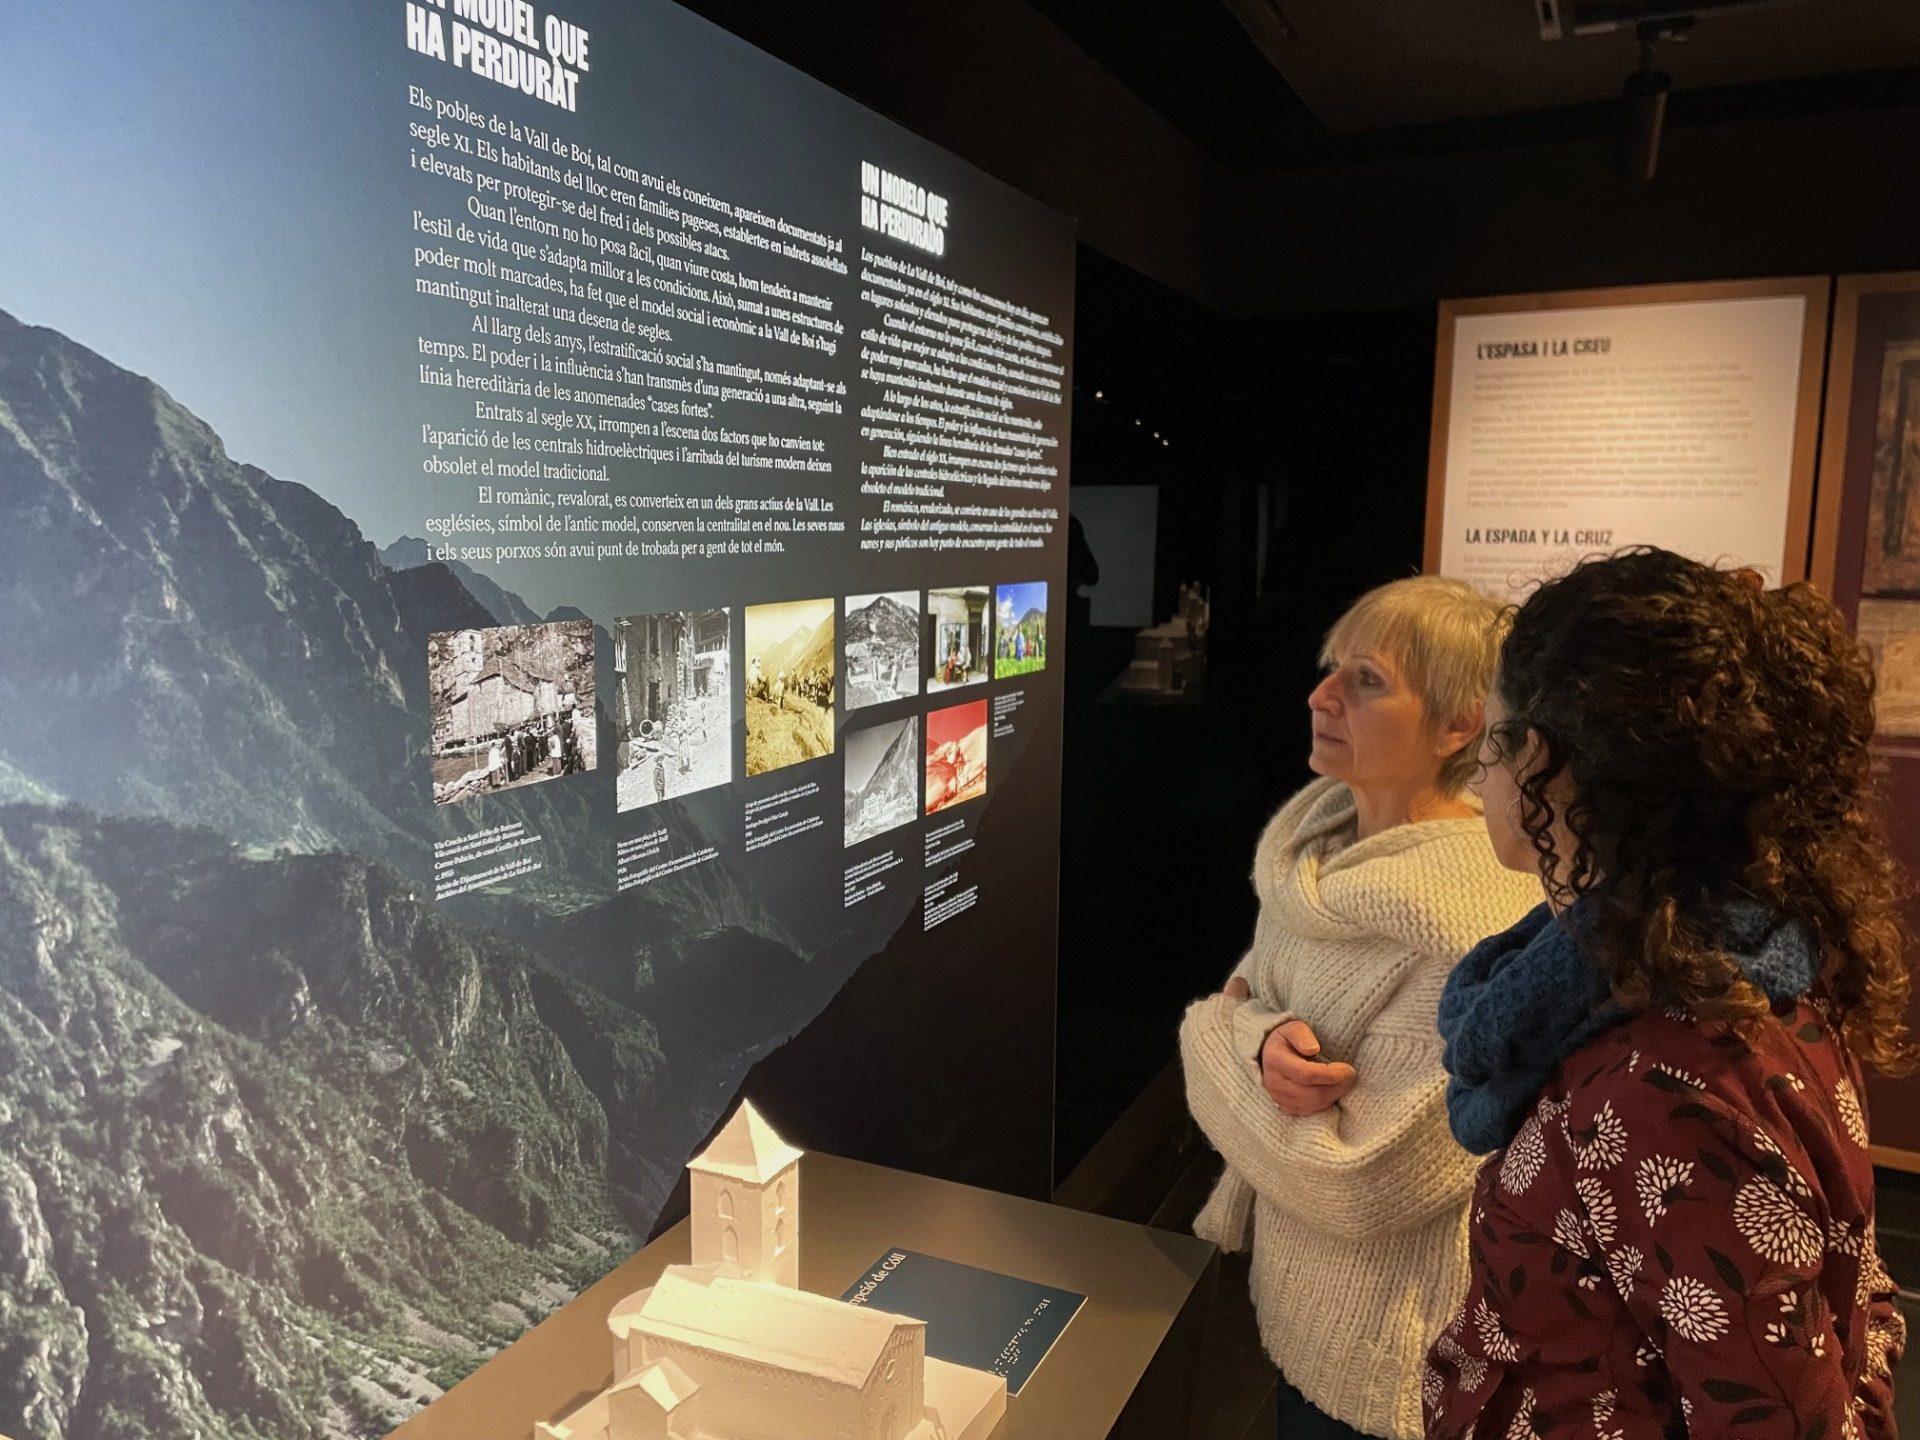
column 1316, row 1073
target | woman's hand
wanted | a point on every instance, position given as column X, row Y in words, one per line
column 1298, row 1083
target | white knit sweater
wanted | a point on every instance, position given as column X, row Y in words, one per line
column 1358, row 1213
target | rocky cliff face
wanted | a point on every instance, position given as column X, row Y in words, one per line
column 885, row 622
column 189, row 636
column 892, row 793
column 506, row 608
column 196, row 639
column 284, row 1148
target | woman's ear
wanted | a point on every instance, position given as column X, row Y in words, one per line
column 1455, row 734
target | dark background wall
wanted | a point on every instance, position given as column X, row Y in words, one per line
column 1820, row 193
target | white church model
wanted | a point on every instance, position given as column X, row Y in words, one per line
column 730, row 1348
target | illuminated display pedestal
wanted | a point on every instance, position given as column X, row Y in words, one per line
column 1123, row 1370
column 729, row 1348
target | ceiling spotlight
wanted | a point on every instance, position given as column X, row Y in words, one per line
column 1559, row 19
column 1643, row 103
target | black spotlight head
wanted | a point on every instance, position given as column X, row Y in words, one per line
column 1643, row 111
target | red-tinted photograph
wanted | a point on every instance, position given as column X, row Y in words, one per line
column 956, row 755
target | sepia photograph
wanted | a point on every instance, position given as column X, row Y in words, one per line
column 883, row 777
column 789, row 683
column 672, row 705
column 958, row 630
column 1020, row 629
column 881, row 641
column 1891, row 629
column 956, row 755
column 1892, row 559
column 510, row 706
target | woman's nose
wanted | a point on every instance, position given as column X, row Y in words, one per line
column 1325, row 694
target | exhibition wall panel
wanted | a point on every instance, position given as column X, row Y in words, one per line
column 1866, row 555
column 535, row 540
column 1573, row 423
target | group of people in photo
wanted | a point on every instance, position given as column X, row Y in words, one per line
column 957, row 660
column 815, row 686
column 1016, row 646
column 546, row 746
column 1539, row 1088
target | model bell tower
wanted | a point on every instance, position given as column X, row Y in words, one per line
column 746, row 1202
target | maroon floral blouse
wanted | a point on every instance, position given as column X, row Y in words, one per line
column 1679, row 1240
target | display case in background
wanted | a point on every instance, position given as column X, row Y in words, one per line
column 1866, row 555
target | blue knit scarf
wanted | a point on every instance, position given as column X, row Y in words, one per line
column 1525, row 999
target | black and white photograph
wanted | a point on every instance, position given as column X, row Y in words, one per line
column 882, row 646
column 672, row 705
column 789, row 683
column 511, row 705
column 883, row 777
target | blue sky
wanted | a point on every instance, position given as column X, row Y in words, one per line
column 217, row 195
column 1015, row 600
column 186, row 194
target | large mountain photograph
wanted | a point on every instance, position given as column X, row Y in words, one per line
column 284, row 1149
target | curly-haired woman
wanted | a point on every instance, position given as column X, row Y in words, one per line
column 1678, row 1236
column 1316, row 1072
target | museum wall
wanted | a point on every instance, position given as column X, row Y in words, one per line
column 1803, row 194
column 998, row 83
column 1812, row 194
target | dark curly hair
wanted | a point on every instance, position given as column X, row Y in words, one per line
column 1714, row 739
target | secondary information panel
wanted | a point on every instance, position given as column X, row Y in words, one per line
column 546, row 536
column 1575, row 431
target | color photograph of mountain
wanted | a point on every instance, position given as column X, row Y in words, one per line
column 1020, row 629
column 284, row 1148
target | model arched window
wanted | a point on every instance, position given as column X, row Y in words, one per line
column 730, row 1246
column 780, row 1237
column 780, row 1197
column 725, row 1208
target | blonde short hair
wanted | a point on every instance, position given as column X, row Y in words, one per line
column 1443, row 636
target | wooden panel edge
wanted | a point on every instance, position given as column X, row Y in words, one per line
column 1888, row 1158
column 1674, row 293
column 1803, row 487
column 1830, row 488
column 1437, row 437
column 1843, row 338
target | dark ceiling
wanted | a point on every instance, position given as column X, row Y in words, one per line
column 1393, row 78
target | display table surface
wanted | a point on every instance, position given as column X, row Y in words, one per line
column 1146, row 1291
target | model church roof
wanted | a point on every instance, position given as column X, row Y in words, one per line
column 768, row 1324
column 747, row 1149
column 664, row 1384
